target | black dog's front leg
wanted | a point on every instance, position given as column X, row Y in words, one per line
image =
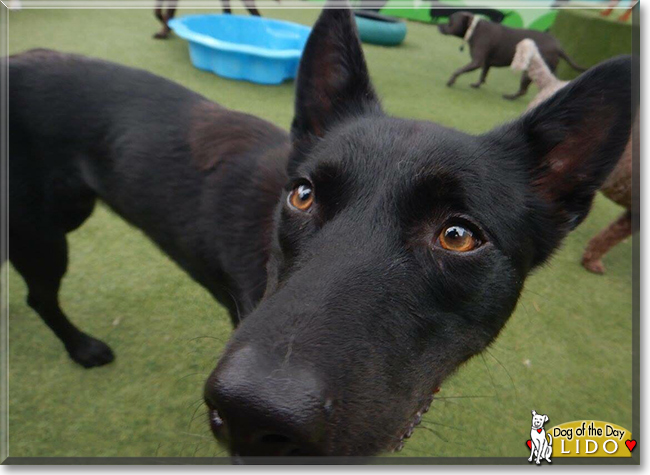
column 472, row 66
column 41, row 257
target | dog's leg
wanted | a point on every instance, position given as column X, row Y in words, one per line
column 610, row 8
column 625, row 16
column 532, row 451
column 164, row 18
column 544, row 449
column 484, row 72
column 473, row 66
column 171, row 11
column 226, row 6
column 604, row 241
column 42, row 259
column 539, row 452
column 158, row 13
column 523, row 88
column 250, row 6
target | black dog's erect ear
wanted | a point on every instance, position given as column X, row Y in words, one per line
column 333, row 81
column 572, row 141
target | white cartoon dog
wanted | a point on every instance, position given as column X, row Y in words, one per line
column 540, row 447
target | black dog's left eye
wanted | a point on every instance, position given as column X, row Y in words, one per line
column 301, row 197
column 458, row 238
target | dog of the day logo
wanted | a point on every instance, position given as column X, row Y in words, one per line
column 578, row 439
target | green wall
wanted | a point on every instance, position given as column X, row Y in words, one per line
column 589, row 38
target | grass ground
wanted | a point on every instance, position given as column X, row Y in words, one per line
column 565, row 352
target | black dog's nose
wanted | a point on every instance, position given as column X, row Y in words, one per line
column 263, row 406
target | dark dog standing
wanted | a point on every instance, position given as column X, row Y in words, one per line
column 492, row 44
column 369, row 256
column 169, row 162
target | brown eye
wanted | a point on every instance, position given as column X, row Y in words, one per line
column 301, row 197
column 458, row 238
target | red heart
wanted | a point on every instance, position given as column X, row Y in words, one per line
column 530, row 444
column 539, row 431
column 630, row 444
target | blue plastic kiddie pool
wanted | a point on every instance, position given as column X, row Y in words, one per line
column 254, row 49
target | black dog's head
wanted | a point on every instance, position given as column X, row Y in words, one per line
column 457, row 25
column 400, row 250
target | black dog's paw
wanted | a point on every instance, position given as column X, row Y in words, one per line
column 161, row 35
column 476, row 85
column 451, row 82
column 91, row 352
column 512, row 97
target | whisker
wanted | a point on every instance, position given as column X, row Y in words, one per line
column 523, row 305
column 192, row 404
column 189, row 425
column 437, row 434
column 462, row 397
column 196, row 449
column 496, row 391
column 425, row 422
column 208, row 337
column 535, row 293
column 196, row 435
column 418, row 452
column 238, row 312
column 232, row 296
column 218, row 454
column 188, row 375
column 512, row 381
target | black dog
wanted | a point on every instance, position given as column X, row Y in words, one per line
column 492, row 44
column 369, row 256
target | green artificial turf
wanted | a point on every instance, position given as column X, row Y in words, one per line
column 565, row 352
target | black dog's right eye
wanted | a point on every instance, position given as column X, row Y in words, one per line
column 458, row 238
column 301, row 197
